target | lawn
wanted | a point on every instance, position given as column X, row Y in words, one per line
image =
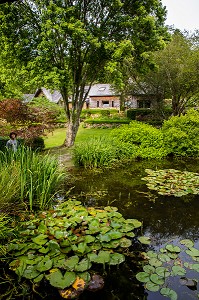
column 56, row 138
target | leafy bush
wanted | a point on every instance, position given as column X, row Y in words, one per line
column 36, row 143
column 133, row 113
column 107, row 121
column 181, row 134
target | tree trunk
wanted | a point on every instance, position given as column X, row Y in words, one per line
column 71, row 133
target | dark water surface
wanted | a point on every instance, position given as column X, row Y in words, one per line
column 166, row 219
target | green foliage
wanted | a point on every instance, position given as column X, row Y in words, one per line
column 105, row 120
column 27, row 176
column 181, row 134
column 172, row 182
column 91, row 48
column 147, row 139
column 36, row 143
column 102, row 152
column 133, row 113
column 170, row 261
column 62, row 244
column 5, row 231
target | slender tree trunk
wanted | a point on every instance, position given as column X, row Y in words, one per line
column 71, row 133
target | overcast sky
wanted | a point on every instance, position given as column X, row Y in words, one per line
column 183, row 14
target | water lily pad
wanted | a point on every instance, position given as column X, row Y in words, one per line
column 45, row 264
column 188, row 243
column 149, row 269
column 30, row 272
column 194, row 267
column 169, row 293
column 155, row 262
column 163, row 257
column 71, row 262
column 125, row 243
column 116, row 258
column 156, row 279
column 193, row 252
column 162, row 271
column 144, row 240
column 38, row 278
column 143, row 277
column 152, row 287
column 83, row 265
column 172, row 248
column 61, row 281
column 172, row 255
column 41, row 239
column 177, row 270
column 151, row 254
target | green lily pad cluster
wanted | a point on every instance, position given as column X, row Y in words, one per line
column 63, row 244
column 167, row 263
column 172, row 182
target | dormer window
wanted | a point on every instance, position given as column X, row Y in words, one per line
column 102, row 88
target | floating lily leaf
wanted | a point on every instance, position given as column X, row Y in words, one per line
column 116, row 259
column 112, row 244
column 188, row 243
column 83, row 265
column 144, row 240
column 169, row 293
column 115, row 225
column 194, row 267
column 89, row 239
column 96, row 283
column 149, row 269
column 85, row 276
column 193, row 252
column 177, row 270
column 38, row 278
column 40, row 239
column 191, row 283
column 152, row 287
column 163, row 257
column 155, row 262
column 30, row 272
column 102, row 257
column 61, row 281
column 172, row 255
column 45, row 264
column 71, row 262
column 143, row 277
column 134, row 222
column 79, row 284
column 156, row 279
column 172, row 248
column 151, row 254
column 162, row 271
column 125, row 243
column 130, row 234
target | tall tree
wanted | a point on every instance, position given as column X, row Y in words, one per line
column 176, row 71
column 69, row 44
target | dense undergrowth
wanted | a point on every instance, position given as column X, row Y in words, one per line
column 179, row 136
column 28, row 177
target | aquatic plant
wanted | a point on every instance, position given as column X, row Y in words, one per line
column 172, row 182
column 62, row 246
column 169, row 262
column 30, row 177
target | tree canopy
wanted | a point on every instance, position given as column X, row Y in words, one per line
column 71, row 44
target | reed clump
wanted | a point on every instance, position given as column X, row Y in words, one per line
column 29, row 176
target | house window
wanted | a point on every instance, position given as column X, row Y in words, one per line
column 105, row 103
column 112, row 103
column 144, row 104
column 97, row 103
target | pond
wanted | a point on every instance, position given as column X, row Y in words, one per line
column 166, row 219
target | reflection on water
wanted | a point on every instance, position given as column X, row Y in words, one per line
column 165, row 219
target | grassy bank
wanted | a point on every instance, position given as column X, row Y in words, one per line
column 56, row 138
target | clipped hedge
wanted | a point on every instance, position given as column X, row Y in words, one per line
column 133, row 113
column 107, row 121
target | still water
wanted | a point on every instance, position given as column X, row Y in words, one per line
column 166, row 219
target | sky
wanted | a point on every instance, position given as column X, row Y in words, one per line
column 183, row 14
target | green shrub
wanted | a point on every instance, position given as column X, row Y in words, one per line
column 181, row 134
column 133, row 113
column 107, row 121
column 36, row 143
